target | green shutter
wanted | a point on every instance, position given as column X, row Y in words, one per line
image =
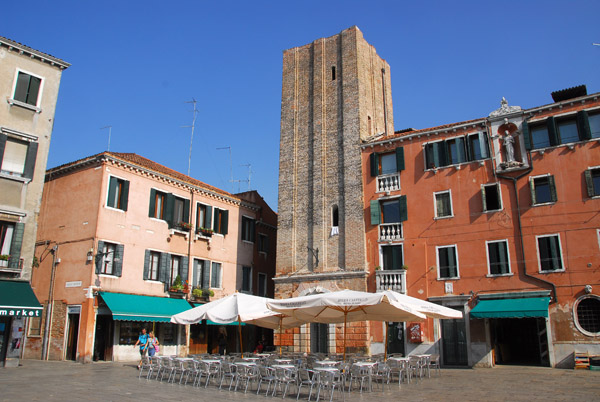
column 146, row 265
column 483, row 199
column 374, row 162
column 225, row 222
column 99, row 256
column 33, row 90
column 552, row 131
column 118, row 260
column 399, row 159
column 252, row 230
column 169, row 209
column 112, row 189
column 184, row 269
column 30, row 160
column 152, row 203
column 22, row 87
column 502, row 257
column 207, row 224
column 186, row 211
column 195, row 273
column 589, row 183
column 483, row 146
column 15, row 246
column 3, row 138
column 526, row 136
column 532, row 191
column 435, row 149
column 554, row 252
column 460, row 148
column 163, row 270
column 206, row 275
column 428, row 152
column 583, row 125
column 552, row 188
column 125, row 195
column 375, row 213
column 402, row 208
column 452, row 271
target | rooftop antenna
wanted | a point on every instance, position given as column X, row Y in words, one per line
column 230, row 166
column 109, row 132
column 249, row 165
column 193, row 101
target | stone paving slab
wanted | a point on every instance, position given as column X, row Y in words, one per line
column 35, row 380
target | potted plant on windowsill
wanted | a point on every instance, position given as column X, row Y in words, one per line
column 206, row 232
column 202, row 294
column 4, row 258
column 176, row 289
column 185, row 226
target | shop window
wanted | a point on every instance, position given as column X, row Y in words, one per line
column 443, row 204
column 447, row 262
column 587, row 315
column 549, row 253
column 490, row 197
column 543, row 189
column 498, row 258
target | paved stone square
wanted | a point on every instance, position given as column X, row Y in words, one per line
column 68, row 381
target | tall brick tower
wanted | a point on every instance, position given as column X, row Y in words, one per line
column 336, row 91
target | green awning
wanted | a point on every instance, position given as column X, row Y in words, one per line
column 18, row 300
column 512, row 308
column 209, row 322
column 126, row 307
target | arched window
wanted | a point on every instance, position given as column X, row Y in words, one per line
column 586, row 312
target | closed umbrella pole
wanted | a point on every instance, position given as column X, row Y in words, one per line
column 240, row 333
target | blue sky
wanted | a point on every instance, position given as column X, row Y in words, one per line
column 135, row 64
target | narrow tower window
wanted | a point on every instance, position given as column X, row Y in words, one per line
column 335, row 217
column 370, row 129
column 332, row 73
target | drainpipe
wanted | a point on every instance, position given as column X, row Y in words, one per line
column 49, row 307
column 514, row 181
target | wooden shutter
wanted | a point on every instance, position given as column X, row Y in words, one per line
column 452, row 268
column 152, row 203
column 402, row 208
column 502, row 257
column 207, row 224
column 460, row 149
column 374, row 163
column 30, row 160
column 483, row 198
column 583, row 125
column 3, row 138
column 552, row 131
column 118, row 260
column 206, row 274
column 589, row 183
column 125, row 195
column 186, row 211
column 375, row 213
column 99, row 256
column 526, row 136
column 399, row 159
column 184, row 269
column 147, row 265
column 532, row 191
column 163, row 270
column 15, row 246
column 483, row 145
column 170, row 209
column 224, row 221
column 112, row 188
column 552, row 185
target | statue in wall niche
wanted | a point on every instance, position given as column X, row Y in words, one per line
column 509, row 147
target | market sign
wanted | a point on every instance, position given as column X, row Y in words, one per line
column 18, row 300
column 8, row 311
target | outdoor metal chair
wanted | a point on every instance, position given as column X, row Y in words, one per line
column 307, row 377
column 228, row 370
column 267, row 375
column 329, row 380
column 434, row 363
column 359, row 374
column 247, row 374
column 398, row 368
column 146, row 365
column 382, row 374
column 284, row 378
column 168, row 367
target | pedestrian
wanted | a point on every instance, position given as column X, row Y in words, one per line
column 152, row 344
column 143, row 342
column 222, row 340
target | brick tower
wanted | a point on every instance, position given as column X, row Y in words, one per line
column 336, row 92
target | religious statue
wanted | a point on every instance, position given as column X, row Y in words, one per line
column 509, row 147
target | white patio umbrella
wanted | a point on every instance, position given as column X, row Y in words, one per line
column 345, row 306
column 238, row 307
column 431, row 310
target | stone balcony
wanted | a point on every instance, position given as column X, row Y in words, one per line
column 388, row 182
column 391, row 280
column 390, row 231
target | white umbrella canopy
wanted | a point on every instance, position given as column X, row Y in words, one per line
column 429, row 309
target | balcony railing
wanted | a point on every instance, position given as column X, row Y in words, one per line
column 390, row 231
column 391, row 280
column 388, row 182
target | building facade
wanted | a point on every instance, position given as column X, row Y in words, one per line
column 496, row 217
column 125, row 243
column 29, row 88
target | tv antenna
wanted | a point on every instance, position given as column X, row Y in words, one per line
column 249, row 165
column 230, row 166
column 195, row 111
column 109, row 132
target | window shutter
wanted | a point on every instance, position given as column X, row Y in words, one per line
column 428, row 151
column 402, row 208
column 483, row 146
column 452, row 262
column 22, row 87
column 186, row 211
column 208, row 218
column 225, row 222
column 583, row 125
column 435, row 148
column 30, row 160
column 532, row 190
column 33, row 91
column 374, row 162
column 552, row 188
column 118, row 265
column 375, row 213
column 152, row 203
column 483, row 199
column 3, row 138
column 553, row 252
column 443, row 153
column 589, row 182
column 460, row 147
column 169, row 209
column 163, row 270
column 399, row 159
column 184, row 269
column 252, row 230
column 125, row 195
column 112, row 188
column 206, row 274
column 552, row 131
column 15, row 246
column 526, row 136
column 99, row 256
column 146, row 265
column 195, row 273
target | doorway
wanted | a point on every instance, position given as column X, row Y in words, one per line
column 104, row 340
column 318, row 338
column 73, row 313
column 395, row 338
column 4, row 331
column 454, row 343
column 520, row 341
